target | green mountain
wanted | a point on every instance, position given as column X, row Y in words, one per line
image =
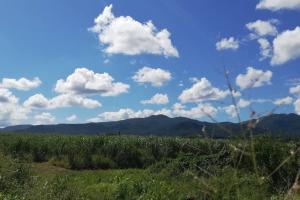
column 276, row 124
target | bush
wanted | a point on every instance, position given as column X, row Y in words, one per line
column 129, row 158
column 101, row 162
column 77, row 161
column 15, row 177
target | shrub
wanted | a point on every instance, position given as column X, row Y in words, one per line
column 129, row 158
column 101, row 162
column 15, row 177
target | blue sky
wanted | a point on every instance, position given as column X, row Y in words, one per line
column 122, row 65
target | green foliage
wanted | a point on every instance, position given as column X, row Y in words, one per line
column 146, row 167
column 15, row 178
column 101, row 162
column 273, row 153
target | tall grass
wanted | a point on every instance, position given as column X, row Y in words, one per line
column 213, row 163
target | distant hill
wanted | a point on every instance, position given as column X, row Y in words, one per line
column 15, row 128
column 277, row 124
column 281, row 124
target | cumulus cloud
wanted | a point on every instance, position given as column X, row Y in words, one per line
column 20, row 84
column 242, row 103
column 178, row 106
column 125, row 35
column 66, row 100
column 200, row 111
column 295, row 90
column 127, row 113
column 260, row 29
column 37, row 101
column 157, row 99
column 44, row 118
column 283, row 101
column 60, row 101
column 11, row 112
column 286, row 46
column 155, row 76
column 263, row 28
column 6, row 96
column 236, row 93
column 230, row 110
column 87, row 82
column 71, row 118
column 297, row 106
column 254, row 78
column 200, row 91
column 227, row 43
column 275, row 5
column 265, row 48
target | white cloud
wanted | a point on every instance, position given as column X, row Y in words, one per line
column 253, row 78
column 37, row 101
column 11, row 112
column 230, row 110
column 155, row 76
column 60, row 101
column 126, row 113
column 200, row 111
column 20, row 84
column 193, row 79
column 125, row 35
column 263, row 28
column 286, row 46
column 295, row 90
column 236, row 93
column 276, row 5
column 293, row 81
column 242, row 103
column 200, row 91
column 283, row 101
column 87, row 82
column 44, row 118
column 71, row 118
column 113, row 116
column 261, row 101
column 106, row 61
column 297, row 106
column 6, row 96
column 157, row 99
column 265, row 48
column 227, row 43
column 178, row 106
column 66, row 100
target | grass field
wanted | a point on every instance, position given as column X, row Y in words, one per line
column 132, row 167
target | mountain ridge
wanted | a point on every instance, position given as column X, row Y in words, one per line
column 276, row 124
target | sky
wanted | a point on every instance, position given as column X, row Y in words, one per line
column 92, row 61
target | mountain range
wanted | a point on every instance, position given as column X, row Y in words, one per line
column 276, row 124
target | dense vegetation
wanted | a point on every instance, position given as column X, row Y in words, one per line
column 134, row 167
